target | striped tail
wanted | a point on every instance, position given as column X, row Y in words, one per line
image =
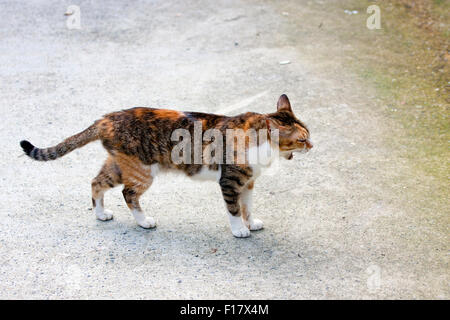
column 63, row 148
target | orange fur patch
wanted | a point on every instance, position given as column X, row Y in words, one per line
column 134, row 172
column 168, row 114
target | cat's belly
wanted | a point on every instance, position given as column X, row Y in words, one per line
column 206, row 174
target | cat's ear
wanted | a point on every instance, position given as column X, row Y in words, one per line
column 283, row 103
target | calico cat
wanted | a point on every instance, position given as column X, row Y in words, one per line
column 140, row 143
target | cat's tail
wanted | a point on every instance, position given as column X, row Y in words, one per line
column 63, row 148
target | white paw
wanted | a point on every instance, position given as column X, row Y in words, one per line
column 242, row 232
column 256, row 224
column 147, row 223
column 105, row 215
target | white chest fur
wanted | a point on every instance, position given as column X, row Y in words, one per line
column 262, row 157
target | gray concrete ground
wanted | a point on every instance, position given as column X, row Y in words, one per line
column 338, row 222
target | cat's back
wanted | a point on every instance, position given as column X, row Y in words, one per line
column 161, row 122
column 161, row 116
column 151, row 124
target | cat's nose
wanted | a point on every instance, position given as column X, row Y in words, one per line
column 309, row 144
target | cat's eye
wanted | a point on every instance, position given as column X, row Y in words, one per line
column 302, row 140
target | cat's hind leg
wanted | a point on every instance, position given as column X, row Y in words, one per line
column 137, row 178
column 131, row 194
column 108, row 177
column 246, row 205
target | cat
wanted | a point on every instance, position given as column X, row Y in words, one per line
column 140, row 143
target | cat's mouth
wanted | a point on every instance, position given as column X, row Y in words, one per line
column 288, row 155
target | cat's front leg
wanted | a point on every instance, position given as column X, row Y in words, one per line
column 247, row 201
column 231, row 192
column 238, row 228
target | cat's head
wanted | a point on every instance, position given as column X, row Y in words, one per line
column 293, row 134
